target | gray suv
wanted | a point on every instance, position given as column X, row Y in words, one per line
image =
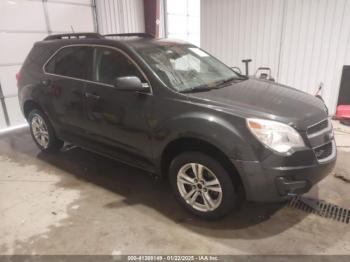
column 172, row 109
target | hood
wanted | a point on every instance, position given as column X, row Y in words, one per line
column 267, row 100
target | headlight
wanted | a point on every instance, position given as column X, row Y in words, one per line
column 279, row 137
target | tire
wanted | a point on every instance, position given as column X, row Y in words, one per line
column 42, row 132
column 345, row 122
column 181, row 169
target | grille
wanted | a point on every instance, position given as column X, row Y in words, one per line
column 318, row 127
column 324, row 151
column 321, row 208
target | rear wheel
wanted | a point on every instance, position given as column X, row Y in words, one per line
column 42, row 132
column 202, row 185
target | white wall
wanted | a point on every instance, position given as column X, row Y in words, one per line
column 120, row 16
column 23, row 22
column 305, row 42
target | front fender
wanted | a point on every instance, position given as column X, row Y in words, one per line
column 225, row 134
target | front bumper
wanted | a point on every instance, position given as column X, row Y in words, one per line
column 279, row 178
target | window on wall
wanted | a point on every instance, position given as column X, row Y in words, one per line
column 183, row 20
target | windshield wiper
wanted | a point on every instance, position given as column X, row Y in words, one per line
column 218, row 84
column 229, row 80
column 225, row 81
column 200, row 88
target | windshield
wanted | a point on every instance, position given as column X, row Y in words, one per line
column 187, row 68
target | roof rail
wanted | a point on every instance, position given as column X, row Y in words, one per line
column 132, row 34
column 73, row 36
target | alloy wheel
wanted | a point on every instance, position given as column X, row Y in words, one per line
column 40, row 130
column 199, row 187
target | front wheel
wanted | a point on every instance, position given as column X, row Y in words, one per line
column 202, row 185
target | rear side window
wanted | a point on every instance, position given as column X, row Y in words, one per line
column 72, row 62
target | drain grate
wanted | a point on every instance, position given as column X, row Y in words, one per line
column 321, row 208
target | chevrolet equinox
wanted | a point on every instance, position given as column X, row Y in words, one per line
column 172, row 109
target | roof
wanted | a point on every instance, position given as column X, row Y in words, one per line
column 135, row 40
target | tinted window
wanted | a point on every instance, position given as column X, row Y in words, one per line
column 73, row 62
column 111, row 64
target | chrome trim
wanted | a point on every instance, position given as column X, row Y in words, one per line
column 93, row 82
column 325, row 130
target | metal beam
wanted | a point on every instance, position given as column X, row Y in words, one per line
column 4, row 109
column 94, row 16
column 47, row 19
column 152, row 16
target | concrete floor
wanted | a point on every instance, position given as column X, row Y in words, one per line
column 76, row 202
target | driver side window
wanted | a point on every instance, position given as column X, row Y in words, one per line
column 111, row 64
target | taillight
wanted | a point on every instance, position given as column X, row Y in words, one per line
column 18, row 77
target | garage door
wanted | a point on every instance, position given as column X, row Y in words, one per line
column 23, row 22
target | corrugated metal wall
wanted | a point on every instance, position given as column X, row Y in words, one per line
column 305, row 42
column 120, row 16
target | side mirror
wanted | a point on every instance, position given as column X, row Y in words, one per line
column 130, row 83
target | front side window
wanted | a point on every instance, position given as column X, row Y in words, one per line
column 186, row 67
column 75, row 61
column 111, row 64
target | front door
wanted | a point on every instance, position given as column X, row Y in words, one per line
column 120, row 120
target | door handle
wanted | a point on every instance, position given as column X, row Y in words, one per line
column 46, row 82
column 92, row 96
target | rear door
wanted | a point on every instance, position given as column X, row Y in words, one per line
column 66, row 75
column 121, row 120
